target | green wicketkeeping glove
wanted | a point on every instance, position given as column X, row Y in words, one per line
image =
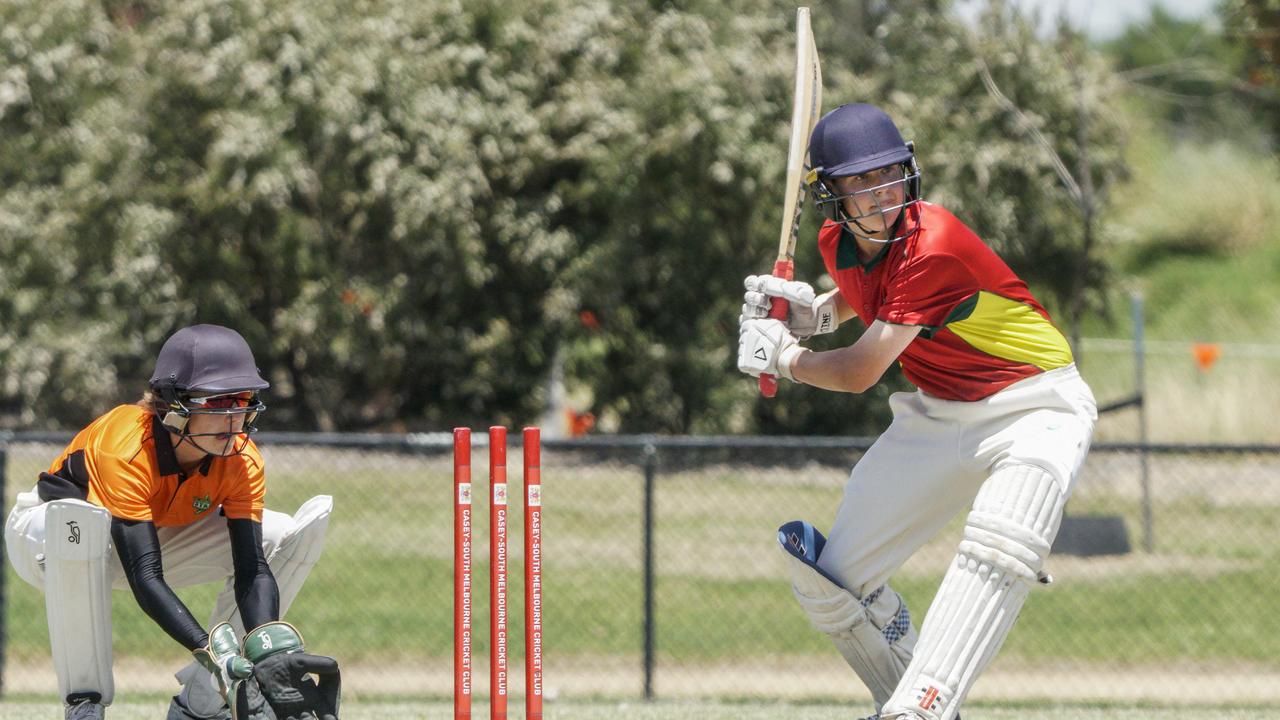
column 222, row 658
column 283, row 671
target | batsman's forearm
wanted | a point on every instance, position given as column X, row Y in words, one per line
column 843, row 310
column 840, row 370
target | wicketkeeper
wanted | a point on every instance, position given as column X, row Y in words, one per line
column 176, row 486
column 1000, row 423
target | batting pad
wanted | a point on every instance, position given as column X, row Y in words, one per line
column 1006, row 539
column 77, row 597
column 873, row 634
column 300, row 550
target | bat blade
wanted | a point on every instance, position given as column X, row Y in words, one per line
column 805, row 107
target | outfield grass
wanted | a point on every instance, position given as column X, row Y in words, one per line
column 30, row 710
column 381, row 597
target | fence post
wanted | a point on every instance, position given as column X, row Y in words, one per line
column 650, row 469
column 1140, row 380
column 4, row 595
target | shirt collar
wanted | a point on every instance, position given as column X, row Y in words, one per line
column 847, row 252
column 166, row 456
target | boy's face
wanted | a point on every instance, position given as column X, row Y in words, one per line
column 219, row 434
column 873, row 198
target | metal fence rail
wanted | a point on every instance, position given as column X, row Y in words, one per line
column 661, row 577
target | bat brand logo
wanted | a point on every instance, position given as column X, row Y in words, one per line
column 74, row 528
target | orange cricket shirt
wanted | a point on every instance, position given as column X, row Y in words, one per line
column 124, row 461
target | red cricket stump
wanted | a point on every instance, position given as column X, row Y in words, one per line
column 498, row 573
column 532, row 574
column 462, row 671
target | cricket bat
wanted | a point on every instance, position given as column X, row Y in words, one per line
column 805, row 109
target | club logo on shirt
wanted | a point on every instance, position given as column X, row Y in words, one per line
column 202, row 504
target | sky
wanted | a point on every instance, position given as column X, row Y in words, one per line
column 1103, row 19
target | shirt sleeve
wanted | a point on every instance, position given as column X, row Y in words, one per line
column 122, row 488
column 246, row 500
column 925, row 289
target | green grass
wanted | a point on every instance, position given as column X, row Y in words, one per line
column 381, row 596
column 30, row 710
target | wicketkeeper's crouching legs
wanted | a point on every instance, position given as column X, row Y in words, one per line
column 293, row 545
column 1006, row 539
column 873, row 633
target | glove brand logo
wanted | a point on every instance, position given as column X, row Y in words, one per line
column 266, row 640
column 74, row 528
column 201, row 504
column 761, row 355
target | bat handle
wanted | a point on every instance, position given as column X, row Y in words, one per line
column 785, row 269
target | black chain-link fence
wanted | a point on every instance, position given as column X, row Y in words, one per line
column 662, row 576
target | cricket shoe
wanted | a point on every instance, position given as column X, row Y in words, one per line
column 85, row 710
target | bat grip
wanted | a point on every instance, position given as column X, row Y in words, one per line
column 785, row 269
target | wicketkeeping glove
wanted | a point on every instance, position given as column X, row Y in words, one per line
column 282, row 686
column 222, row 658
column 766, row 346
column 807, row 315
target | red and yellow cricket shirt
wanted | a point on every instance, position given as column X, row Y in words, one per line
column 982, row 329
column 124, row 461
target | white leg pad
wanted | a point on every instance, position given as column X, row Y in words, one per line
column 1006, row 539
column 874, row 634
column 292, row 545
column 77, row 597
column 300, row 550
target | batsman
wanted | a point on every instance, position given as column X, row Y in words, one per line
column 175, row 486
column 1000, row 422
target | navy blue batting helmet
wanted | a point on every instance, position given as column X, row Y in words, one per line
column 856, row 139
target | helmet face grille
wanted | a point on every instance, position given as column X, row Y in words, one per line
column 898, row 219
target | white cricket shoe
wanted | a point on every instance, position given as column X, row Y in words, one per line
column 86, row 710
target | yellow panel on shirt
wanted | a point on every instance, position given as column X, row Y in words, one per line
column 1010, row 330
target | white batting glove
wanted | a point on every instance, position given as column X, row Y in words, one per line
column 808, row 314
column 766, row 346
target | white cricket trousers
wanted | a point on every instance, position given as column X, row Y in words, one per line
column 931, row 461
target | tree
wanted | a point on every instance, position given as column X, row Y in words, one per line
column 412, row 209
